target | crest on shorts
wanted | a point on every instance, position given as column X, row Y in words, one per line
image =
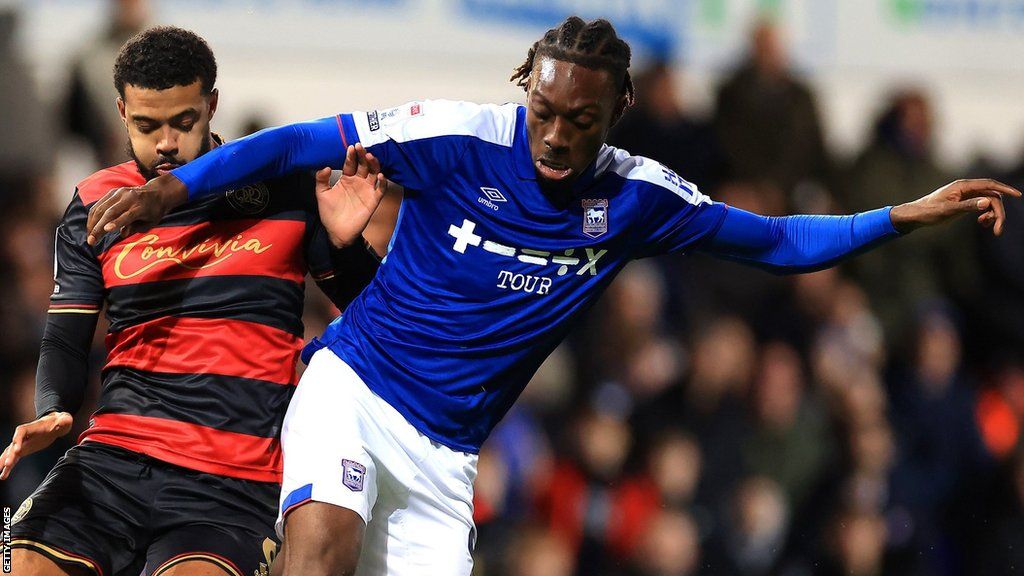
column 270, row 549
column 251, row 199
column 22, row 511
column 353, row 475
column 595, row 216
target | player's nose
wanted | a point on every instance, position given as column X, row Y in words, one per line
column 557, row 137
column 168, row 143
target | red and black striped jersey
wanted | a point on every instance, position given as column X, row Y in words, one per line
column 205, row 314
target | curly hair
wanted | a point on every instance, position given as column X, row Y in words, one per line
column 592, row 45
column 162, row 57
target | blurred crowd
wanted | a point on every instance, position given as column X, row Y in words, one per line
column 706, row 418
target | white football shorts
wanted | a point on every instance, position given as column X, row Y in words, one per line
column 344, row 445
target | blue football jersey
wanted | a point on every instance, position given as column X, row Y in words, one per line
column 485, row 274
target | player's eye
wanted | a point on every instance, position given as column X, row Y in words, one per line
column 145, row 127
column 186, row 126
column 584, row 121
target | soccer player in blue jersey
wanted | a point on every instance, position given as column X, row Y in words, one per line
column 515, row 219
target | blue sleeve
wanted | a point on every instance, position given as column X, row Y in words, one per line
column 674, row 215
column 266, row 154
column 794, row 244
column 417, row 144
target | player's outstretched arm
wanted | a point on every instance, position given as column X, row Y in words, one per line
column 793, row 244
column 265, row 154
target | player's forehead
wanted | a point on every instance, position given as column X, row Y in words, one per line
column 163, row 103
column 566, row 85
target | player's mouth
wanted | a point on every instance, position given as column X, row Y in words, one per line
column 166, row 167
column 553, row 171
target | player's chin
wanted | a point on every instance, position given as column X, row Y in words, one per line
column 556, row 187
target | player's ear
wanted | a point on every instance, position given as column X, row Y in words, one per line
column 120, row 110
column 531, row 81
column 213, row 99
column 620, row 107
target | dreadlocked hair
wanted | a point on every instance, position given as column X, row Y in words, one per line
column 593, row 45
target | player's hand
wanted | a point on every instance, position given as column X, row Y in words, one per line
column 33, row 437
column 346, row 207
column 983, row 197
column 136, row 208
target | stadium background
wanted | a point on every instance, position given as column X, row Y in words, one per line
column 706, row 418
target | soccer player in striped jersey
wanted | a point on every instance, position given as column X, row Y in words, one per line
column 180, row 467
column 516, row 218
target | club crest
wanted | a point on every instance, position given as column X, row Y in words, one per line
column 270, row 550
column 595, row 216
column 353, row 475
column 22, row 511
column 251, row 199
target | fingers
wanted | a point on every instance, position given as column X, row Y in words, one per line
column 12, row 453
column 373, row 163
column 349, row 168
column 112, row 217
column 5, row 464
column 971, row 205
column 979, row 193
column 359, row 162
column 1000, row 216
column 124, row 220
column 98, row 208
column 979, row 184
column 32, row 437
column 323, row 179
column 363, row 166
column 993, row 212
column 96, row 214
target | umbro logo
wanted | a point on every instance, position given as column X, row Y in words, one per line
column 490, row 196
column 493, row 194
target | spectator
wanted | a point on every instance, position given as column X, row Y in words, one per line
column 26, row 153
column 899, row 159
column 755, row 542
column 659, row 127
column 767, row 119
column 88, row 107
column 940, row 447
column 538, row 552
column 711, row 406
column 670, row 546
column 789, row 441
column 858, row 546
column 668, row 482
column 581, row 503
column 630, row 345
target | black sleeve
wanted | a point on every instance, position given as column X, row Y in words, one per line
column 341, row 273
column 75, row 304
column 62, row 375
